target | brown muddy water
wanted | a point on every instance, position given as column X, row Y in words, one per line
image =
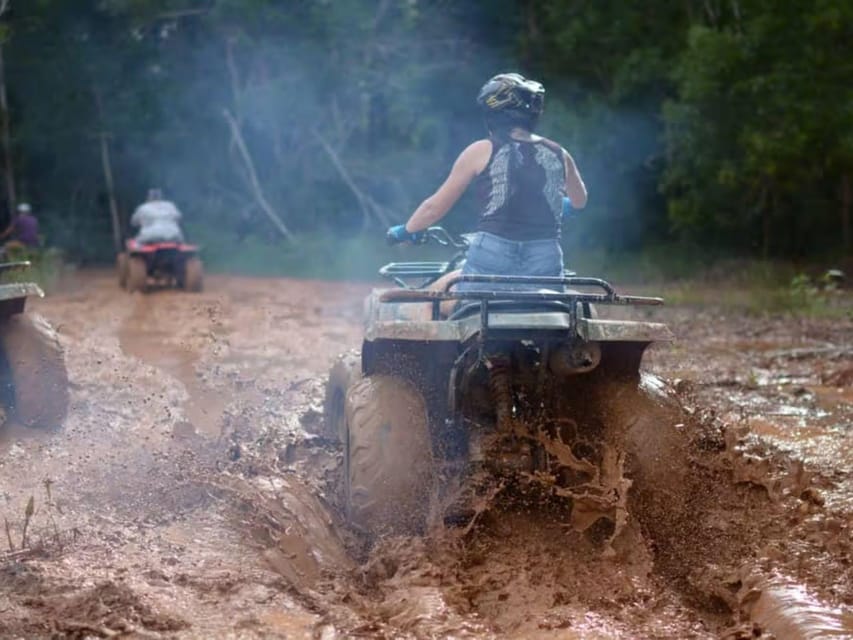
column 186, row 496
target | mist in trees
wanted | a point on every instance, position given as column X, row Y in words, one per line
column 724, row 123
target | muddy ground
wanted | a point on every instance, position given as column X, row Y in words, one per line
column 187, row 497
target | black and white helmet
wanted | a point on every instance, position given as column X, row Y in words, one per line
column 513, row 95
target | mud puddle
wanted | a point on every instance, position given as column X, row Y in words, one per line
column 146, row 335
column 205, row 508
column 522, row 572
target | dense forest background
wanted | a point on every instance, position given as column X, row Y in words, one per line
column 720, row 125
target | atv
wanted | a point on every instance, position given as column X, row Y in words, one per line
column 33, row 378
column 162, row 264
column 523, row 386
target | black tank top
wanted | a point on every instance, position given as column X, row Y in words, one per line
column 521, row 189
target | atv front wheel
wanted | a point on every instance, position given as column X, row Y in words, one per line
column 344, row 373
column 35, row 378
column 137, row 274
column 193, row 274
column 122, row 269
column 389, row 462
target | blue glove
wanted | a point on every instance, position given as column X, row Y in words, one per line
column 398, row 233
column 567, row 207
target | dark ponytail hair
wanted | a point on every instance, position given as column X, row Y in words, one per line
column 501, row 123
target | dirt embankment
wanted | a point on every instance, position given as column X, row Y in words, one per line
column 187, row 498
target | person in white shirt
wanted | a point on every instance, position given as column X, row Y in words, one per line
column 157, row 220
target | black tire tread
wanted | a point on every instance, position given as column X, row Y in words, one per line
column 193, row 279
column 36, row 364
column 345, row 372
column 389, row 456
column 137, row 274
column 122, row 269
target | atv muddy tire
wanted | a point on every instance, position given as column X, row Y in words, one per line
column 344, row 373
column 389, row 462
column 137, row 274
column 35, row 378
column 122, row 269
column 658, row 448
column 193, row 276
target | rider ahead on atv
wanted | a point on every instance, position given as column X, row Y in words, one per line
column 157, row 219
column 521, row 179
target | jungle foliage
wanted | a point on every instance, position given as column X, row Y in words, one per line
column 720, row 124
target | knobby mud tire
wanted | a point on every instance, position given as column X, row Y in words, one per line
column 122, row 269
column 651, row 419
column 389, row 461
column 137, row 274
column 36, row 377
column 345, row 372
column 193, row 277
column 657, row 446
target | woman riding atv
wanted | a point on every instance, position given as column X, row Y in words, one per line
column 521, row 179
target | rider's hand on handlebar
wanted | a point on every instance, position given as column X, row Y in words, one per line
column 398, row 233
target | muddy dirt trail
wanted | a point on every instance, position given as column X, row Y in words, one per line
column 187, row 497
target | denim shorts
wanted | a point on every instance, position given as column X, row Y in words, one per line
column 489, row 254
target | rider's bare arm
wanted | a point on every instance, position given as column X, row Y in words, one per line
column 575, row 188
column 468, row 165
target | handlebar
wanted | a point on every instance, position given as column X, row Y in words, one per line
column 439, row 235
column 443, row 237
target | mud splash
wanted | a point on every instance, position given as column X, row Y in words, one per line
column 240, row 534
column 704, row 503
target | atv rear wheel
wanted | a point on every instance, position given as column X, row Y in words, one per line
column 344, row 373
column 659, row 462
column 122, row 269
column 137, row 274
column 389, row 462
column 36, row 381
column 193, row 276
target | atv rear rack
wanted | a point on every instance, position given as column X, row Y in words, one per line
column 13, row 266
column 566, row 302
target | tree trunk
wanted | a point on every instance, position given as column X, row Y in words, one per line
column 762, row 209
column 846, row 197
column 258, row 191
column 533, row 33
column 108, row 173
column 767, row 213
column 108, row 178
column 7, row 141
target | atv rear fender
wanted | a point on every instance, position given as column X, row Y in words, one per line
column 539, row 316
column 13, row 295
column 482, row 313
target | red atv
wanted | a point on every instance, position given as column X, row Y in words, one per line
column 163, row 264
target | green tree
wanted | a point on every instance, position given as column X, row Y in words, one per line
column 758, row 137
column 721, row 121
